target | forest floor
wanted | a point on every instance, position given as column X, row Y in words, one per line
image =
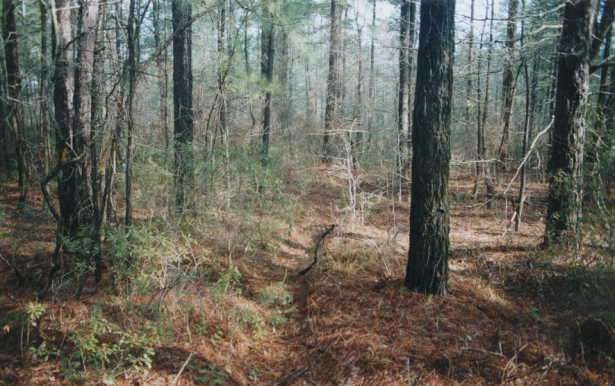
column 239, row 313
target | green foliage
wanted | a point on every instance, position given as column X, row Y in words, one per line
column 35, row 311
column 211, row 375
column 251, row 318
column 275, row 294
column 229, row 281
column 101, row 344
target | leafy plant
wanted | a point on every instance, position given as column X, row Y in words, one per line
column 229, row 279
column 275, row 294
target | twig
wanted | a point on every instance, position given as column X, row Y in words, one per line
column 288, row 379
column 20, row 277
column 525, row 158
column 50, row 177
column 318, row 245
column 181, row 370
column 527, row 155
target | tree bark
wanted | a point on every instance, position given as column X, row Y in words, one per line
column 508, row 82
column 402, row 97
column 267, row 57
column 427, row 269
column 182, row 101
column 564, row 213
column 163, row 78
column 333, row 86
column 12, row 121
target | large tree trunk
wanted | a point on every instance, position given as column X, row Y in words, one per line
column 182, row 101
column 333, row 86
column 564, row 213
column 427, row 269
column 72, row 99
column 508, row 82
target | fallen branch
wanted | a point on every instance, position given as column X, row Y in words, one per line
column 321, row 239
column 290, row 378
column 181, row 370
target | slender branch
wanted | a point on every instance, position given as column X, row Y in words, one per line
column 54, row 173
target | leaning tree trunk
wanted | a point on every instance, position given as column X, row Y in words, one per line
column 182, row 101
column 427, row 269
column 564, row 213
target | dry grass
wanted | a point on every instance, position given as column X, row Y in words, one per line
column 350, row 321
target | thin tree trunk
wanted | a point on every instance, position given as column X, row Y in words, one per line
column 482, row 112
column 133, row 47
column 44, row 88
column 267, row 57
column 402, row 97
column 508, row 81
column 12, row 120
column 182, row 101
column 163, row 78
column 371, row 92
column 411, row 43
column 333, row 86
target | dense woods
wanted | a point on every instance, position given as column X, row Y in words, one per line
column 445, row 169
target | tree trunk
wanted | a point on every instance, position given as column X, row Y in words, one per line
column 267, row 56
column 132, row 60
column 427, row 269
column 371, row 88
column 564, row 213
column 508, row 81
column 411, row 41
column 182, row 101
column 12, row 120
column 468, row 101
column 402, row 97
column 333, row 87
column 163, row 79
column 44, row 88
column 221, row 68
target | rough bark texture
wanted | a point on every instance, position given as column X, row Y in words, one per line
column 333, row 87
column 427, row 269
column 566, row 164
column 182, row 101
